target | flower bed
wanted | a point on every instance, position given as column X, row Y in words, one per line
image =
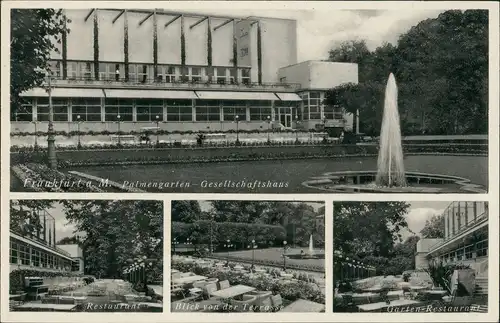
column 290, row 290
column 39, row 177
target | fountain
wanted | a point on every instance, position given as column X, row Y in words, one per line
column 310, row 252
column 390, row 175
column 390, row 166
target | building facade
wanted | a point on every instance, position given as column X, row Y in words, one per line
column 38, row 251
column 179, row 72
column 466, row 238
column 76, row 253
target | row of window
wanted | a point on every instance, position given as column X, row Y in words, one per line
column 459, row 215
column 24, row 254
column 315, row 110
column 146, row 110
column 146, row 73
column 467, row 252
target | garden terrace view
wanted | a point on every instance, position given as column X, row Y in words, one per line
column 271, row 260
column 431, row 272
column 84, row 273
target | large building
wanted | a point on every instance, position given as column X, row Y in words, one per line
column 37, row 249
column 186, row 71
column 465, row 242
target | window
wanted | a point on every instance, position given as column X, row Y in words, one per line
column 333, row 112
column 210, row 74
column 171, row 74
column 207, row 110
column 314, row 106
column 86, row 70
column 148, row 110
column 59, row 107
column 35, row 258
column 75, row 265
column 460, row 254
column 305, row 102
column 179, row 110
column 468, row 251
column 24, row 112
column 245, row 76
column 195, row 76
column 24, row 254
column 231, row 109
column 118, row 107
column 45, row 260
column 14, row 253
column 259, row 110
column 282, row 79
column 233, row 76
column 138, row 73
column 87, row 109
column 482, row 248
column 72, row 70
column 220, row 75
column 55, row 69
column 184, row 74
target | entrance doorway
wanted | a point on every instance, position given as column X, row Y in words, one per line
column 286, row 116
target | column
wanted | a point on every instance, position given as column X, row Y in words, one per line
column 34, row 112
column 134, row 111
column 193, row 109
column 103, row 107
column 446, row 233
column 459, row 224
column 453, row 229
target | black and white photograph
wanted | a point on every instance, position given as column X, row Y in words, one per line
column 411, row 257
column 247, row 256
column 86, row 256
column 249, row 101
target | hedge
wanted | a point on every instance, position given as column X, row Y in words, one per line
column 17, row 276
column 239, row 234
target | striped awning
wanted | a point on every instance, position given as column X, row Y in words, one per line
column 244, row 96
column 64, row 93
column 150, row 94
column 288, row 97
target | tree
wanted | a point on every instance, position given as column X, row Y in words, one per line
column 441, row 69
column 117, row 233
column 368, row 228
column 185, row 211
column 69, row 240
column 33, row 32
column 434, row 227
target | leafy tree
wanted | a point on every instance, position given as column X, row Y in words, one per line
column 368, row 228
column 434, row 227
column 185, row 211
column 117, row 233
column 70, row 240
column 33, row 32
column 441, row 67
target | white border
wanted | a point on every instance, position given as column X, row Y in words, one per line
column 491, row 196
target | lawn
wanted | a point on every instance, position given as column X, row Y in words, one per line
column 275, row 254
column 287, row 174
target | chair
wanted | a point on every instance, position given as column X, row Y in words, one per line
column 209, row 289
column 244, row 305
column 224, row 284
column 277, row 302
column 200, row 284
column 212, row 280
column 176, row 276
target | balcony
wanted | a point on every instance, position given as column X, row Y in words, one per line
column 157, row 84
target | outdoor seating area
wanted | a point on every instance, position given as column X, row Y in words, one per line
column 231, row 288
column 67, row 295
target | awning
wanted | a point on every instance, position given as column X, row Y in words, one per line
column 150, row 94
column 288, row 97
column 65, row 93
column 214, row 95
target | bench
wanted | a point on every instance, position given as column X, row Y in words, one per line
column 116, row 138
column 319, row 134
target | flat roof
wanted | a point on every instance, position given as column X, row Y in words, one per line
column 317, row 61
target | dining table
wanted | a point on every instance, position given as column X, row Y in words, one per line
column 188, row 279
column 233, row 291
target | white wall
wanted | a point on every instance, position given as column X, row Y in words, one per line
column 319, row 75
column 73, row 249
column 424, row 245
column 279, row 41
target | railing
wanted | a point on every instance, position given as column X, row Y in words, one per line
column 177, row 84
column 483, row 217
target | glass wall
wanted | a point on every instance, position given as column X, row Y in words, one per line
column 87, row 109
column 118, row 107
column 149, row 109
column 260, row 110
column 461, row 215
column 179, row 110
column 59, row 106
column 22, row 253
column 231, row 109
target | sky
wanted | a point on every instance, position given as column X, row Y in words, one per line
column 319, row 31
column 419, row 212
column 63, row 228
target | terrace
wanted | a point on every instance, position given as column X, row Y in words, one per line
column 209, row 285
